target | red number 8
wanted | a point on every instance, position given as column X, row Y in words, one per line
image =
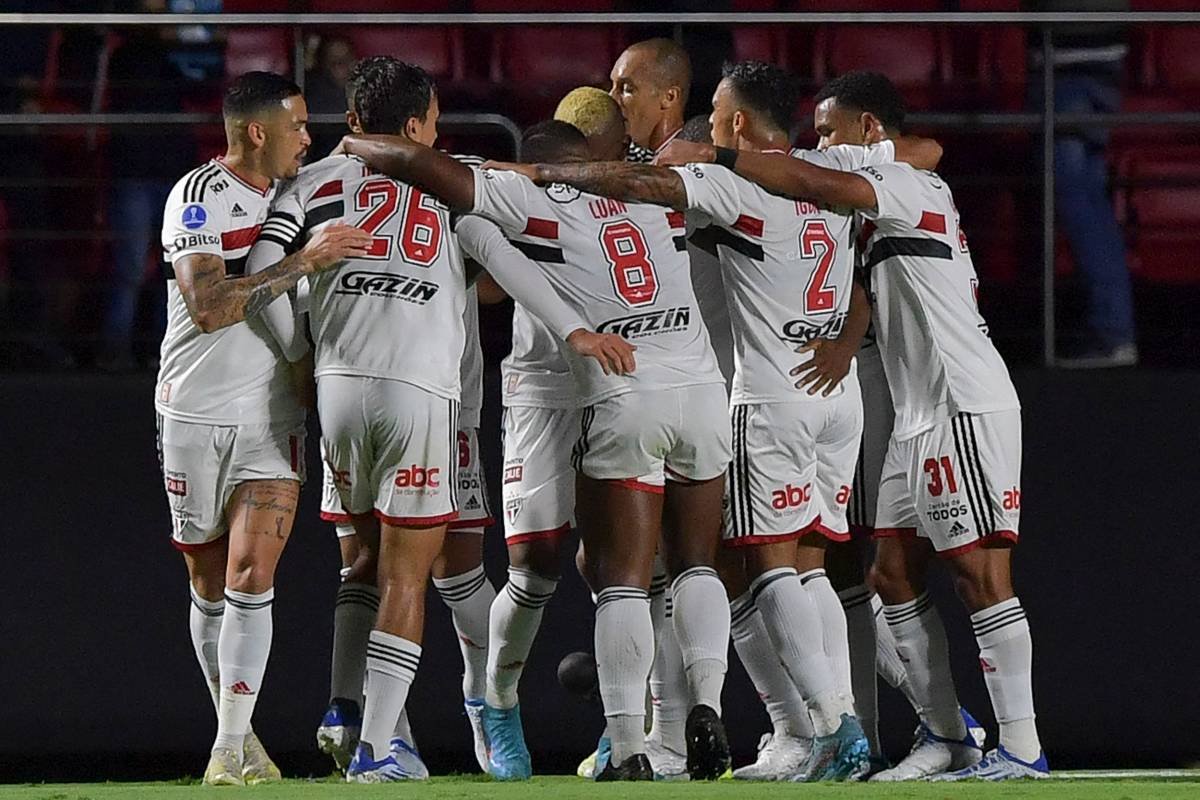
column 632, row 270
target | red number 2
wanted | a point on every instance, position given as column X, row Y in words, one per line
column 420, row 233
column 815, row 242
column 934, row 469
column 629, row 258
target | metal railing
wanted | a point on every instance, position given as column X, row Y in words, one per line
column 1046, row 123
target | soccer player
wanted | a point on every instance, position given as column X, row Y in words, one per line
column 794, row 451
column 623, row 268
column 230, row 424
column 389, row 337
column 650, row 82
column 951, row 476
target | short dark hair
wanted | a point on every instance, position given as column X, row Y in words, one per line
column 697, row 129
column 552, row 141
column 867, row 91
column 766, row 89
column 387, row 93
column 253, row 92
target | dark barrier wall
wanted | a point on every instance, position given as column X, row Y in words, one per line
column 97, row 658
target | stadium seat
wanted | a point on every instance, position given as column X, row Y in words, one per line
column 435, row 48
column 1158, row 201
column 257, row 6
column 1176, row 60
column 249, row 49
column 862, row 5
column 914, row 57
column 382, row 6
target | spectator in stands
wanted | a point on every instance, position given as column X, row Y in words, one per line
column 1088, row 61
column 145, row 162
column 325, row 91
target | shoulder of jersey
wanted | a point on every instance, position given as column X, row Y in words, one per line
column 194, row 186
column 469, row 160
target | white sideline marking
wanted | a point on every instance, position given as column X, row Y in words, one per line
column 1097, row 774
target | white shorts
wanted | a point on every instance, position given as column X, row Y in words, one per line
column 331, row 501
column 203, row 464
column 955, row 484
column 681, row 434
column 792, row 468
column 473, row 508
column 392, row 448
column 538, row 481
column 878, row 418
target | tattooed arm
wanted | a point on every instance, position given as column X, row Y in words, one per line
column 639, row 183
column 216, row 302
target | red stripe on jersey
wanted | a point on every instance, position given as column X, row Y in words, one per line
column 541, row 228
column 865, row 233
column 328, row 190
column 242, row 237
column 749, row 225
column 675, row 219
column 934, row 223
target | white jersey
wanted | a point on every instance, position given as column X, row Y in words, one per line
column 470, row 370
column 937, row 355
column 788, row 268
column 622, row 266
column 236, row 375
column 396, row 312
column 535, row 373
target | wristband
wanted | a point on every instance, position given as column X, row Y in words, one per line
column 725, row 157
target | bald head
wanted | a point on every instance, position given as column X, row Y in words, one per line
column 598, row 117
column 651, row 81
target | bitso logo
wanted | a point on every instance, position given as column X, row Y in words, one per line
column 668, row 320
column 791, row 496
column 386, row 285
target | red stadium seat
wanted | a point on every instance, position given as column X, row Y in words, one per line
column 1176, row 50
column 381, row 6
column 536, row 64
column 532, row 6
column 1158, row 200
column 257, row 6
column 759, row 43
column 436, row 49
column 915, row 58
column 266, row 49
column 862, row 5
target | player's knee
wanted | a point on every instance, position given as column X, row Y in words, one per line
column 246, row 575
column 540, row 557
column 890, row 581
column 980, row 589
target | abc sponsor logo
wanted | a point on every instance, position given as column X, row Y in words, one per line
column 385, row 285
column 416, row 477
column 791, row 496
column 670, row 320
column 1012, row 499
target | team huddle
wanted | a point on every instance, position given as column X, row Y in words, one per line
column 735, row 366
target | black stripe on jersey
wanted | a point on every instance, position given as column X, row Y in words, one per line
column 234, row 268
column 967, row 476
column 190, row 193
column 202, row 187
column 741, row 505
column 703, row 238
column 985, row 490
column 582, row 444
column 680, row 243
column 540, row 252
column 727, row 238
column 920, row 247
column 321, row 214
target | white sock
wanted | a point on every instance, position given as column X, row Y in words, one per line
column 701, row 617
column 515, row 617
column 921, row 643
column 887, row 660
column 469, row 597
column 785, row 706
column 403, row 730
column 392, row 663
column 669, row 692
column 860, row 632
column 833, row 625
column 353, row 618
column 242, row 651
column 792, row 620
column 1006, row 657
column 624, row 653
column 204, row 621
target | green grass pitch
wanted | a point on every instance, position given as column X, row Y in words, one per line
column 1152, row 785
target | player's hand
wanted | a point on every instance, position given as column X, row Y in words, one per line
column 334, row 244
column 613, row 352
column 679, row 152
column 528, row 170
column 829, row 365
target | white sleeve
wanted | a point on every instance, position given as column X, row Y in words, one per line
column 190, row 228
column 520, row 277
column 504, row 197
column 712, row 189
column 279, row 238
column 898, row 193
column 849, row 157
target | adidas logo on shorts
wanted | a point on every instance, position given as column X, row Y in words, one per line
column 958, row 529
column 472, row 504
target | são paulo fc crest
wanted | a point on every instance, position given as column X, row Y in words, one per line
column 194, row 216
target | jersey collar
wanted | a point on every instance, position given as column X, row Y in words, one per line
column 229, row 170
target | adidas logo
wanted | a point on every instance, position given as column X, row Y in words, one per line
column 986, row 666
column 241, row 687
column 472, row 504
column 237, row 211
column 957, row 529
